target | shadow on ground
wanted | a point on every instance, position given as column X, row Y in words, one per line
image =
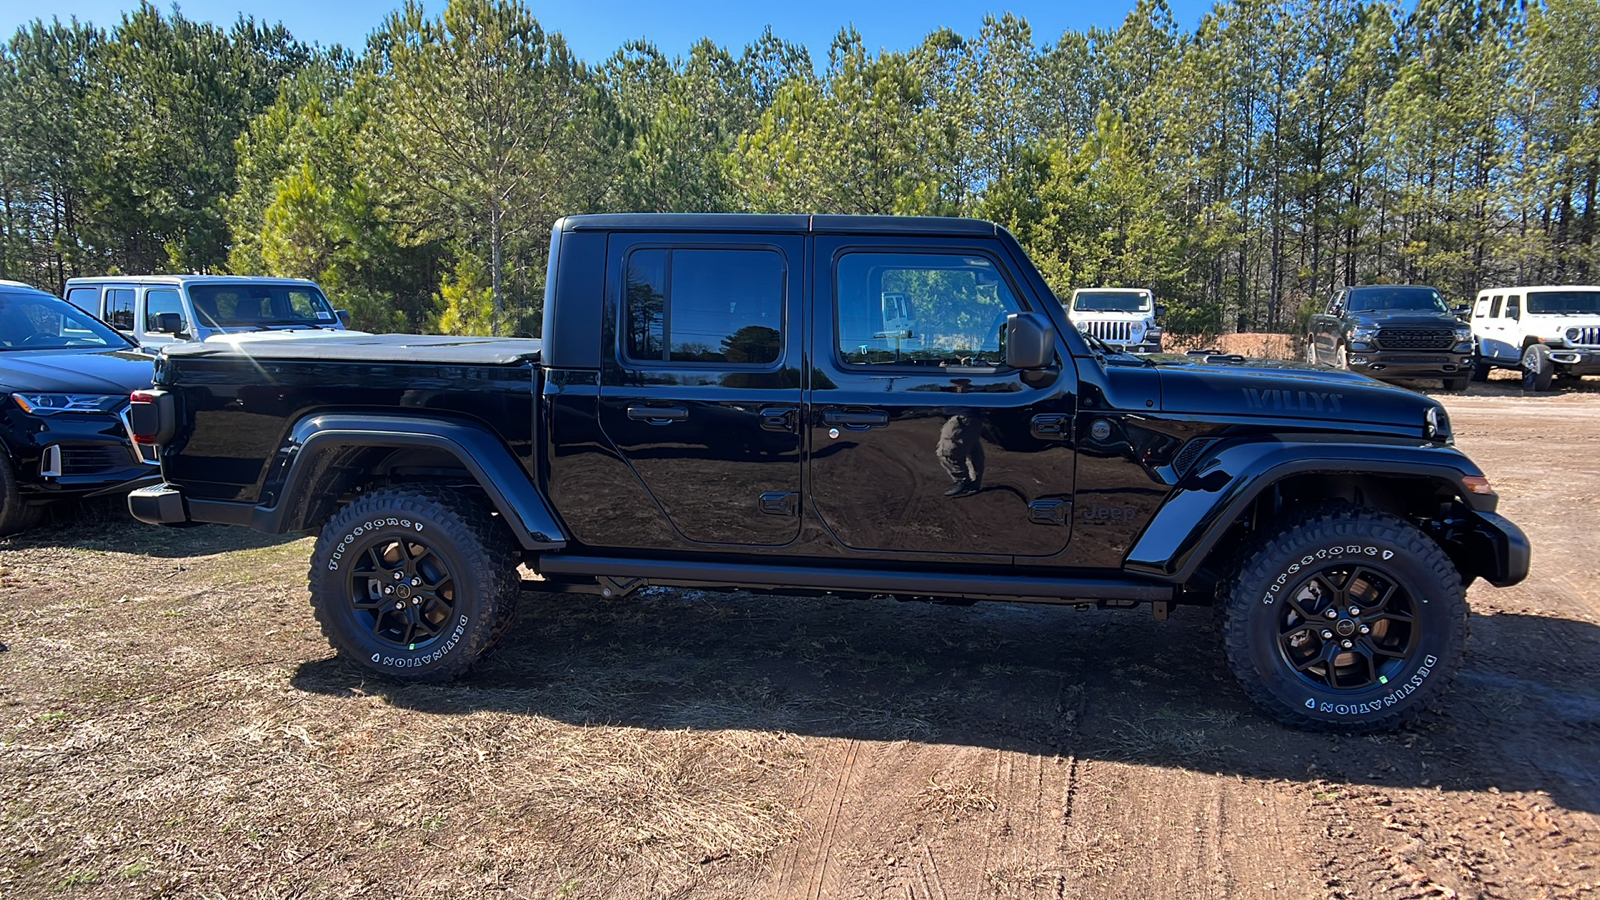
column 1524, row 715
column 104, row 525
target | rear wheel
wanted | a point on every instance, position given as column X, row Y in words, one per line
column 1311, row 350
column 15, row 513
column 1538, row 369
column 1480, row 368
column 1344, row 619
column 414, row 583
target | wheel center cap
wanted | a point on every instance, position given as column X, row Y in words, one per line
column 1345, row 627
column 403, row 591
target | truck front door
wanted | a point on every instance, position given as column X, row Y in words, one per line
column 921, row 439
column 700, row 381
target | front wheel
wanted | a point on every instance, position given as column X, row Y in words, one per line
column 15, row 513
column 414, row 583
column 1538, row 369
column 1459, row 383
column 1480, row 368
column 1344, row 619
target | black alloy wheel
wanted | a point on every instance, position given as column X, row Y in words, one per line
column 1339, row 618
column 1347, row 627
column 415, row 583
column 402, row 590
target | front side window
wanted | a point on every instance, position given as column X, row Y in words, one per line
column 158, row 301
column 704, row 306
column 1514, row 306
column 921, row 309
column 119, row 308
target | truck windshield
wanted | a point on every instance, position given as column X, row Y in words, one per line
column 40, row 322
column 261, row 305
column 1111, row 301
column 1570, row 302
column 1398, row 299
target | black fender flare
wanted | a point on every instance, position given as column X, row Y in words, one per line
column 317, row 438
column 1222, row 485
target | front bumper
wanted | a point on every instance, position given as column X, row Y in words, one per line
column 1383, row 364
column 1495, row 550
column 1154, row 347
column 1576, row 360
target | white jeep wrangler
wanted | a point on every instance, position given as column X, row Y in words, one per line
column 1125, row 318
column 1548, row 331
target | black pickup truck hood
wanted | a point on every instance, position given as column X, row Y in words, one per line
column 75, row 371
column 1234, row 386
column 1403, row 320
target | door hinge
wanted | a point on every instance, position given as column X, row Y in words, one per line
column 780, row 503
column 1051, row 426
column 1049, row 512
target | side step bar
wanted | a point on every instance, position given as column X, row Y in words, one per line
column 692, row 573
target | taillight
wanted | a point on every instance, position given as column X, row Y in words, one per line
column 144, row 419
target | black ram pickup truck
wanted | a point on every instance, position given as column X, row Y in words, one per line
column 738, row 402
column 1393, row 331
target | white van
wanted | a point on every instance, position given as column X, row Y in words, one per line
column 1546, row 331
column 156, row 310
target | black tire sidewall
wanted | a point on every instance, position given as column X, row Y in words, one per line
column 1277, row 570
column 341, row 545
column 1538, row 376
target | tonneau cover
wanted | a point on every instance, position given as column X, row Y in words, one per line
column 387, row 348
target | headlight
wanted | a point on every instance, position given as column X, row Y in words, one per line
column 50, row 404
column 1365, row 335
column 1463, row 334
column 1573, row 334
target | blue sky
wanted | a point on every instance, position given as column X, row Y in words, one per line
column 595, row 28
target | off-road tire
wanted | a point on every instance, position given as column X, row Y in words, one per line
column 1459, row 383
column 1342, row 358
column 15, row 513
column 1480, row 369
column 462, row 535
column 1281, row 562
column 1538, row 369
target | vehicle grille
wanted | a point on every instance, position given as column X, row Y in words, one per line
column 1113, row 332
column 1587, row 336
column 1416, row 338
column 92, row 459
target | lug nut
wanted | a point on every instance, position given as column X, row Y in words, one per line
column 1327, row 635
column 388, row 590
column 1347, row 644
column 1365, row 630
column 1355, row 610
column 1331, row 614
column 415, row 581
column 416, row 601
column 399, row 604
column 397, row 576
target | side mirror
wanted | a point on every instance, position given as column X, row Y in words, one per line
column 1514, row 312
column 1462, row 311
column 1161, row 313
column 1030, row 341
column 170, row 323
column 344, row 317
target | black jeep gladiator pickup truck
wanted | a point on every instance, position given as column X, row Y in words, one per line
column 738, row 402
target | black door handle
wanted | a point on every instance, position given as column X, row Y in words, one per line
column 870, row 419
column 658, row 415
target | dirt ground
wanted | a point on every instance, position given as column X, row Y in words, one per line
column 172, row 724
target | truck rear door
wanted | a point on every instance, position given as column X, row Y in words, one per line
column 700, row 381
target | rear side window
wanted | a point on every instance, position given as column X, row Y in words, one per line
column 704, row 306
column 86, row 299
column 1494, row 312
column 160, row 301
column 119, row 308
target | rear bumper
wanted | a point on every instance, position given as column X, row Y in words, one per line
column 1411, row 363
column 158, row 504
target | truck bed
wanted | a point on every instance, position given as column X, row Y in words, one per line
column 390, row 348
